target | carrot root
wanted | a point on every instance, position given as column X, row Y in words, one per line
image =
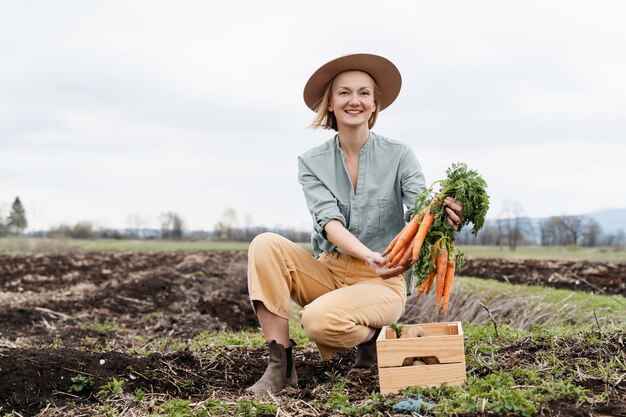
column 440, row 275
column 405, row 237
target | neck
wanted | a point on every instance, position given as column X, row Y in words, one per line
column 351, row 139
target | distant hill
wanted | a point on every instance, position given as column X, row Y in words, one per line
column 611, row 220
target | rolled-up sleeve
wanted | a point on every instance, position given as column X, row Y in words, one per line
column 321, row 202
column 412, row 181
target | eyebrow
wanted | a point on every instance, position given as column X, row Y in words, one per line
column 360, row 88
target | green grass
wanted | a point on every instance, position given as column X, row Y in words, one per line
column 573, row 253
column 12, row 245
column 502, row 381
column 574, row 307
column 43, row 245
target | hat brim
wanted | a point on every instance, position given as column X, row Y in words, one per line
column 383, row 71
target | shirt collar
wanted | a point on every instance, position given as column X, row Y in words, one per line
column 364, row 148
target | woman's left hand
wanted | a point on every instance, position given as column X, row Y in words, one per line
column 454, row 209
column 377, row 262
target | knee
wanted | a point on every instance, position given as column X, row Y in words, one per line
column 264, row 242
column 321, row 327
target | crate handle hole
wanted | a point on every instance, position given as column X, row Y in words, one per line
column 420, row 360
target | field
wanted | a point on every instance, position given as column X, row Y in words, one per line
column 169, row 331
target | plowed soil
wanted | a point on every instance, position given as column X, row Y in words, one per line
column 605, row 277
column 80, row 314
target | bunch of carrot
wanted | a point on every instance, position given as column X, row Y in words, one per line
column 426, row 243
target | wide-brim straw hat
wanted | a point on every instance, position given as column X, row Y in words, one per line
column 383, row 71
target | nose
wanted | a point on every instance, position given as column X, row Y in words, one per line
column 354, row 100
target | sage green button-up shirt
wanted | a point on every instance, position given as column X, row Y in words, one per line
column 389, row 179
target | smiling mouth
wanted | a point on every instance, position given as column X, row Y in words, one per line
column 354, row 111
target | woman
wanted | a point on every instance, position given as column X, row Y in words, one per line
column 356, row 186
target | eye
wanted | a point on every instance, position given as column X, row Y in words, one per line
column 365, row 93
column 343, row 93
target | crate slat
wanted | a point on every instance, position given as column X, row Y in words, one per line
column 448, row 349
column 394, row 379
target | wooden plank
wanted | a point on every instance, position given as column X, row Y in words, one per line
column 394, row 379
column 431, row 329
column 448, row 349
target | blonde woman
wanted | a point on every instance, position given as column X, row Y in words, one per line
column 360, row 188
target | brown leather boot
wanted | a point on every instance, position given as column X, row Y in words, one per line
column 366, row 356
column 280, row 372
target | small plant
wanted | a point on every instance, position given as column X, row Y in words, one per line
column 139, row 395
column 80, row 383
column 188, row 385
column 110, row 389
column 102, row 327
column 397, row 327
column 181, row 408
column 216, row 407
column 106, row 411
column 254, row 409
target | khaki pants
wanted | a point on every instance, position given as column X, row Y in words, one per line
column 341, row 295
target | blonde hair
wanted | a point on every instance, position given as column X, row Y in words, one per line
column 325, row 119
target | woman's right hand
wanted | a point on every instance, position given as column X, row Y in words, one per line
column 378, row 264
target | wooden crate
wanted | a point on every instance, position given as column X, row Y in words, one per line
column 443, row 341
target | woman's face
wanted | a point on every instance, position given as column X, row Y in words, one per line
column 352, row 98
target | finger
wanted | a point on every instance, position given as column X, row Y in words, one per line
column 452, row 216
column 393, row 272
column 379, row 259
column 455, row 205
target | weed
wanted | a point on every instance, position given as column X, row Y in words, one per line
column 134, row 350
column 107, row 411
column 188, row 385
column 139, row 395
column 80, row 383
column 254, row 409
column 102, row 326
column 180, row 408
column 215, row 406
column 339, row 401
column 110, row 389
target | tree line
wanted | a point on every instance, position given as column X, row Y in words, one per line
column 553, row 231
column 511, row 229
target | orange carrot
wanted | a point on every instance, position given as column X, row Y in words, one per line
column 398, row 257
column 431, row 277
column 427, row 221
column 426, row 284
column 405, row 237
column 447, row 287
column 392, row 244
column 405, row 260
column 440, row 274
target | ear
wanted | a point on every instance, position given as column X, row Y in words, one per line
column 330, row 106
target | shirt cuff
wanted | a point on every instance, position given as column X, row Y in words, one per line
column 321, row 218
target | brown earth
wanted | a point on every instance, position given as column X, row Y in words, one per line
column 606, row 277
column 67, row 315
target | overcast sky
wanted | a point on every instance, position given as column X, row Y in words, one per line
column 117, row 111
